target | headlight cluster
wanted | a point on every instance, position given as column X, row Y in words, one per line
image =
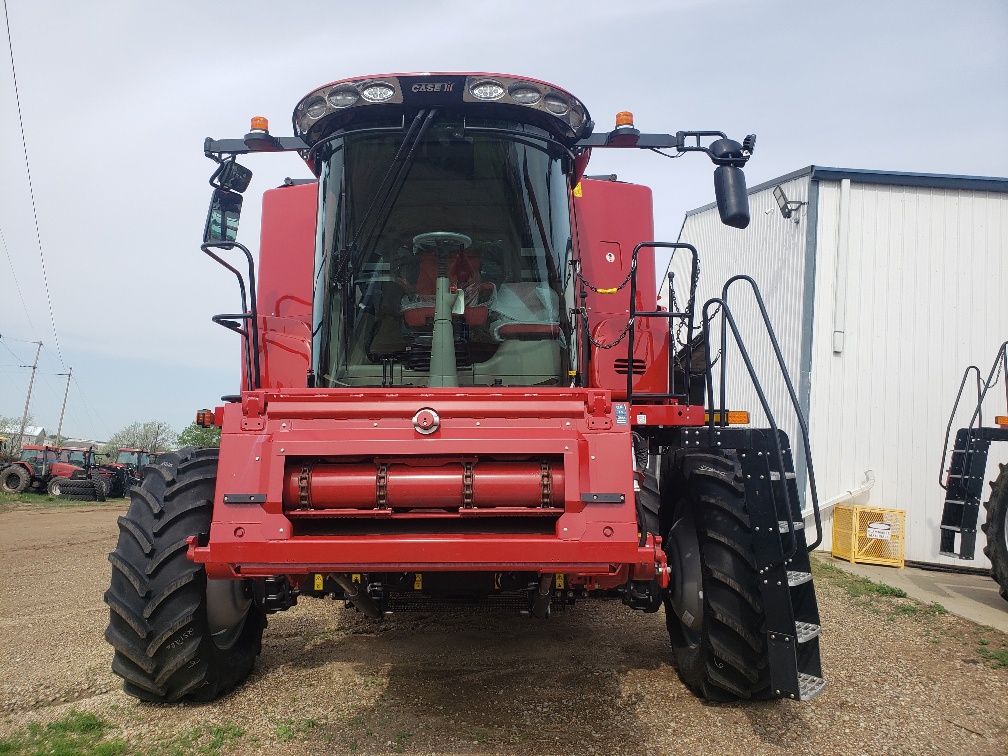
column 534, row 94
column 439, row 90
column 342, row 95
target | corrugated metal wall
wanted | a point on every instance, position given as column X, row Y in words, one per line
column 925, row 272
column 772, row 251
column 924, row 299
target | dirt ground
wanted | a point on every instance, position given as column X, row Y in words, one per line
column 902, row 677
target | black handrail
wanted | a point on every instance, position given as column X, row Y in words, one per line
column 668, row 315
column 803, row 425
column 249, row 310
column 726, row 317
column 1000, row 361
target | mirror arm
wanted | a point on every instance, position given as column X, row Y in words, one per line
column 215, row 148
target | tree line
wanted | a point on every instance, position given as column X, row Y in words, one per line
column 152, row 436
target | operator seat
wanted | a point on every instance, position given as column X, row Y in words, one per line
column 463, row 274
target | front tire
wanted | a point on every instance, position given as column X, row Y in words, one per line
column 996, row 529
column 176, row 634
column 55, row 486
column 713, row 606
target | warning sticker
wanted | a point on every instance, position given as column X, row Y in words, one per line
column 880, row 531
column 622, row 417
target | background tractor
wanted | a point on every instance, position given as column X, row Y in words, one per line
column 39, row 468
column 964, row 478
column 457, row 386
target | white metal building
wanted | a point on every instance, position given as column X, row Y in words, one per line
column 882, row 288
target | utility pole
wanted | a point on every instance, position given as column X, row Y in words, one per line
column 59, row 430
column 24, row 418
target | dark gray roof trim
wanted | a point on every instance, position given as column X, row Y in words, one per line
column 886, row 178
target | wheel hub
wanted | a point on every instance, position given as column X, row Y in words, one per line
column 227, row 609
column 686, row 586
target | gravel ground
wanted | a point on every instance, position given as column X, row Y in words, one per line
column 903, row 677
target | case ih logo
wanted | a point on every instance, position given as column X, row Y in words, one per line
column 439, row 87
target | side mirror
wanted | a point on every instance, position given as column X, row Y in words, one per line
column 222, row 219
column 731, row 195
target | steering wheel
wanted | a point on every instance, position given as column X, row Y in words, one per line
column 441, row 242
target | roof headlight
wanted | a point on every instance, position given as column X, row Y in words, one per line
column 556, row 104
column 524, row 94
column 486, row 90
column 378, row 92
column 315, row 107
column 343, row 97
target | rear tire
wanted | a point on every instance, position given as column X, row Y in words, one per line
column 14, row 479
column 996, row 529
column 55, row 486
column 713, row 606
column 77, row 490
column 160, row 619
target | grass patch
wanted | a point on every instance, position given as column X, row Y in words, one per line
column 996, row 657
column 30, row 500
column 204, row 741
column 877, row 597
column 855, row 585
column 288, row 729
column 75, row 733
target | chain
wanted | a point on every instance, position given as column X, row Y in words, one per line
column 581, row 311
column 583, row 280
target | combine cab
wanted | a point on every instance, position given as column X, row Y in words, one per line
column 457, row 385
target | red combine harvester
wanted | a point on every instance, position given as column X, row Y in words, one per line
column 458, row 386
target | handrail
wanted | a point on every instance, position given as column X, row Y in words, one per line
column 803, row 425
column 726, row 317
column 249, row 309
column 1000, row 361
column 687, row 315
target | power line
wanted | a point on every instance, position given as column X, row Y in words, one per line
column 31, row 188
column 16, row 284
column 86, row 403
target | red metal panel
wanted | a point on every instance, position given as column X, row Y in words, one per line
column 287, row 251
column 612, row 218
column 508, row 432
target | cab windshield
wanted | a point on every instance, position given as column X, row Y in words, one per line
column 130, row 458
column 73, row 456
column 442, row 261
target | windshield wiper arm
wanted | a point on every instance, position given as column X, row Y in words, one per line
column 389, row 200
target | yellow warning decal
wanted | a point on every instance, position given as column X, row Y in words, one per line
column 355, row 578
column 319, row 583
column 577, row 189
column 418, row 582
column 560, row 581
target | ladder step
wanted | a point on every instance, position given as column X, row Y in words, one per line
column 774, row 475
column 798, row 525
column 957, row 529
column 795, row 578
column 806, row 631
column 809, row 686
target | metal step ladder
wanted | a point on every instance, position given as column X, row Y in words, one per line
column 788, row 593
column 963, row 493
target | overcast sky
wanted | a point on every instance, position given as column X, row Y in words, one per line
column 117, row 97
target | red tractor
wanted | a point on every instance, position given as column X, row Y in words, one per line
column 457, row 385
column 93, row 482
column 127, row 470
column 41, row 468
